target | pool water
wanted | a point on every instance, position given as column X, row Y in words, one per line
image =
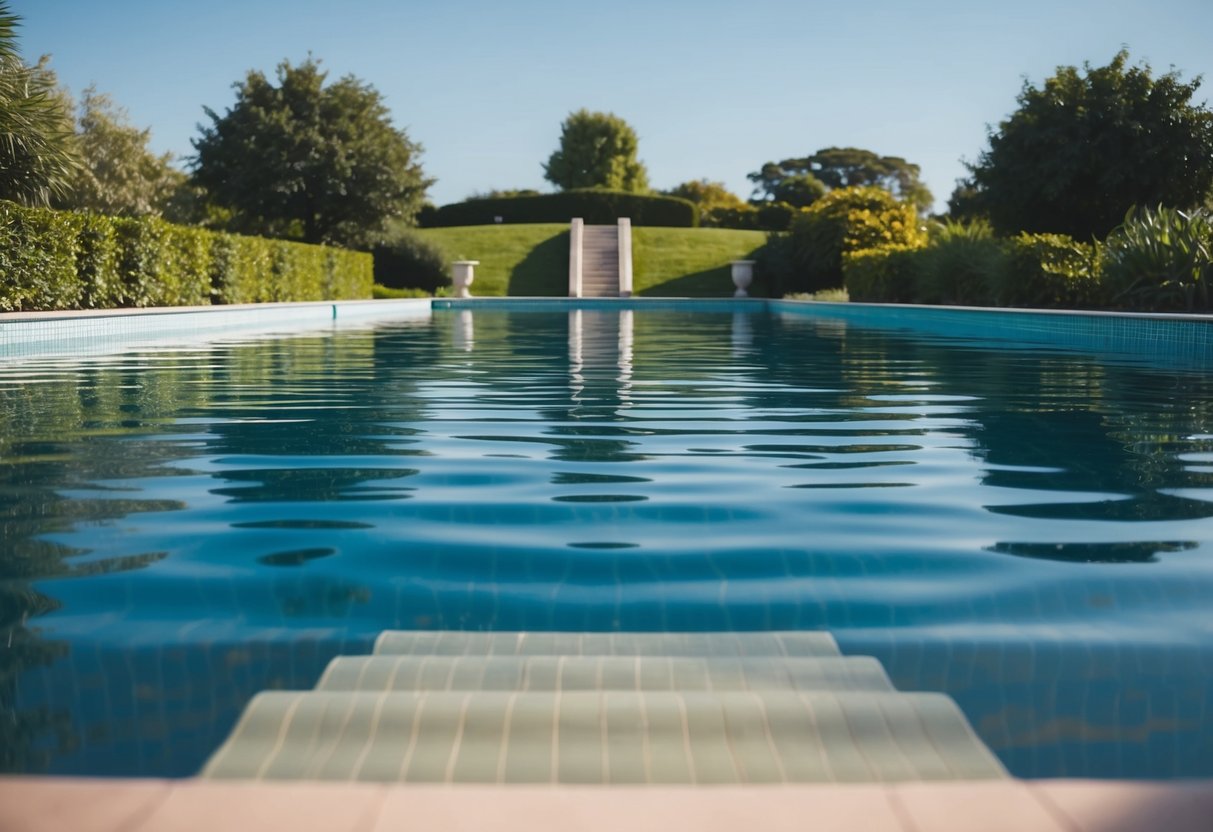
column 1025, row 529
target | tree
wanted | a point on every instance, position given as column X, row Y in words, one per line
column 709, row 196
column 308, row 161
column 785, row 182
column 803, row 181
column 597, row 150
column 1088, row 145
column 120, row 175
column 37, row 148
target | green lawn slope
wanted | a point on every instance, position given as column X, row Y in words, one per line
column 533, row 260
column 691, row 262
column 528, row 260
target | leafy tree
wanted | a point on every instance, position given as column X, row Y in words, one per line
column 120, row 176
column 1088, row 145
column 597, row 150
column 785, row 182
column 37, row 149
column 707, row 195
column 718, row 206
column 803, row 181
column 306, row 160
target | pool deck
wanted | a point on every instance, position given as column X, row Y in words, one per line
column 79, row 805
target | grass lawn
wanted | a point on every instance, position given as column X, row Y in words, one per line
column 691, row 262
column 533, row 260
column 529, row 260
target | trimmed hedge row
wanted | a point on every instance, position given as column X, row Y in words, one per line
column 60, row 260
column 1031, row 270
column 594, row 205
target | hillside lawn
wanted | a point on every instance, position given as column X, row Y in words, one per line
column 533, row 260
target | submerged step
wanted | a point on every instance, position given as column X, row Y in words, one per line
column 582, row 673
column 611, row 737
column 461, row 643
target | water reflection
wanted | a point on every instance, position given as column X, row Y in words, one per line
column 1025, row 530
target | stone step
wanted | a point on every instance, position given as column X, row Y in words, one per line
column 588, row 673
column 612, row 737
column 461, row 643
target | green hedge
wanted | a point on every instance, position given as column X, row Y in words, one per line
column 1051, row 271
column 594, row 205
column 1031, row 270
column 61, row 260
column 882, row 275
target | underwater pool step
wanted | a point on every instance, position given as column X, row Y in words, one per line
column 588, row 673
column 611, row 737
column 461, row 643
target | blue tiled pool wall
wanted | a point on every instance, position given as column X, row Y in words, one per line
column 1185, row 341
column 99, row 333
column 1182, row 341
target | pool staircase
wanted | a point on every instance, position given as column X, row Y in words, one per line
column 600, row 260
column 603, row 708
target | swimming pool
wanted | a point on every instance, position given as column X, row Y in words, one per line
column 1023, row 524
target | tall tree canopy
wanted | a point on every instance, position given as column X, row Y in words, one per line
column 597, row 150
column 37, row 147
column 306, row 160
column 120, row 175
column 802, row 181
column 1089, row 144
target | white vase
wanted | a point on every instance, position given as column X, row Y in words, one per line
column 462, row 275
column 743, row 276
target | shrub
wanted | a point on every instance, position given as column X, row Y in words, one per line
column 350, row 274
column 888, row 274
column 300, row 271
column 1161, row 259
column 744, row 217
column 595, row 205
column 97, row 263
column 61, row 260
column 38, row 259
column 776, row 216
column 240, row 269
column 1049, row 270
column 960, row 264
column 776, row 263
column 188, row 258
column 847, row 219
column 144, row 274
column 410, row 261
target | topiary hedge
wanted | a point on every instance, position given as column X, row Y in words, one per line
column 594, row 205
column 60, row 260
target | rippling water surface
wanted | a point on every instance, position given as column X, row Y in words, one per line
column 1025, row 529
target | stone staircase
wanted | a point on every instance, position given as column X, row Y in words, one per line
column 600, row 262
column 603, row 708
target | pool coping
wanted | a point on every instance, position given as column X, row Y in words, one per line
column 41, row 804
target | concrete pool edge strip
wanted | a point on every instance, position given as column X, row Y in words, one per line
column 38, row 804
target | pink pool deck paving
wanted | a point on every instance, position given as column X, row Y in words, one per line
column 97, row 805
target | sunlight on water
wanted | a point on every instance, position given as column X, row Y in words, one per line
column 1027, row 530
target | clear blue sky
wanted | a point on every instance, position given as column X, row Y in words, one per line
column 713, row 88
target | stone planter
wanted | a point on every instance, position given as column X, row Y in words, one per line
column 743, row 276
column 462, row 275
